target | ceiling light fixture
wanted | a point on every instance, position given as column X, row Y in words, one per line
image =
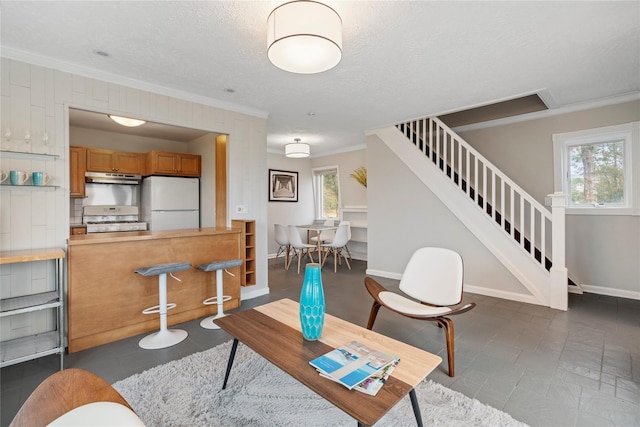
column 297, row 149
column 126, row 121
column 304, row 37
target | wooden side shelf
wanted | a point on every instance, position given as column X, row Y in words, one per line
column 248, row 240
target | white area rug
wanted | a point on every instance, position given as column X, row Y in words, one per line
column 187, row 392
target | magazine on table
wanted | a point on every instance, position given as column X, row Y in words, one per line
column 352, row 364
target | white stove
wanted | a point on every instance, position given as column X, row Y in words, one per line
column 112, row 218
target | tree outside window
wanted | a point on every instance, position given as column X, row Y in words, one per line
column 327, row 192
column 597, row 173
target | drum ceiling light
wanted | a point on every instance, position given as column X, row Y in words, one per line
column 126, row 121
column 304, row 37
column 297, row 149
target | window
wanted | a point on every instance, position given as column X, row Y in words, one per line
column 326, row 190
column 594, row 168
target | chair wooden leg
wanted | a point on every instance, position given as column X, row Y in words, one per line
column 372, row 315
column 447, row 325
column 335, row 261
column 346, row 259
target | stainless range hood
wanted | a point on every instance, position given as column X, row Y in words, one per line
column 112, row 178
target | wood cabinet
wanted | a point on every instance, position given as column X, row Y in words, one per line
column 76, row 231
column 106, row 299
column 42, row 344
column 247, row 229
column 173, row 164
column 77, row 168
column 100, row 160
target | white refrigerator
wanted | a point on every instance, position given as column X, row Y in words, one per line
column 170, row 203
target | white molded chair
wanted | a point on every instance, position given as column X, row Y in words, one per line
column 281, row 237
column 434, row 278
column 298, row 249
column 337, row 247
column 325, row 235
column 346, row 248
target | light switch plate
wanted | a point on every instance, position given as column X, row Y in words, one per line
column 242, row 209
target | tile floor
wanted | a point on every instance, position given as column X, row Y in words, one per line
column 544, row 367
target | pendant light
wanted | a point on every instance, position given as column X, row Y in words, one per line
column 304, row 37
column 297, row 149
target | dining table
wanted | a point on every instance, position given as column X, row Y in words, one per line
column 316, row 230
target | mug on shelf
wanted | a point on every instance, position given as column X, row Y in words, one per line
column 18, row 177
column 3, row 177
column 40, row 178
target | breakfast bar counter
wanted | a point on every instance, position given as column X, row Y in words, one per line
column 106, row 297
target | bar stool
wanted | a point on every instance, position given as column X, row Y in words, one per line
column 219, row 299
column 164, row 337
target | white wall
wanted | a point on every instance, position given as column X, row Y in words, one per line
column 603, row 251
column 37, row 98
column 205, row 146
column 404, row 215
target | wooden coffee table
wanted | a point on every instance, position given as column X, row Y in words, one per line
column 273, row 331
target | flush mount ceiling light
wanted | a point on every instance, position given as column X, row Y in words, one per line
column 297, row 149
column 126, row 121
column 304, row 37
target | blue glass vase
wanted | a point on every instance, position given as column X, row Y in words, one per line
column 312, row 303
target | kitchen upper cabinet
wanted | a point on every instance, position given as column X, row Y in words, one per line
column 173, row 164
column 99, row 160
column 77, row 168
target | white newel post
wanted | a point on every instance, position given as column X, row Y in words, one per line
column 559, row 292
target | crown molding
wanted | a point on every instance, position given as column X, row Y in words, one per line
column 69, row 67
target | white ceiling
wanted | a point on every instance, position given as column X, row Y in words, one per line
column 401, row 59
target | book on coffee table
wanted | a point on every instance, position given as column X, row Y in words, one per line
column 352, row 363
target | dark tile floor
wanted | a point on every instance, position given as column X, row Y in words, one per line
column 544, row 367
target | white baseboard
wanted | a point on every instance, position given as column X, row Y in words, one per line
column 512, row 296
column 612, row 292
column 248, row 293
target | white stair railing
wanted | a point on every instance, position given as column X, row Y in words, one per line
column 511, row 208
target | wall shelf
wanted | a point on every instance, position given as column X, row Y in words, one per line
column 26, row 155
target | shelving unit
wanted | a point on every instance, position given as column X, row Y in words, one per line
column 34, row 346
column 357, row 217
column 248, row 239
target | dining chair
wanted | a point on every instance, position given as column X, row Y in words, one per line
column 281, row 237
column 348, row 223
column 433, row 279
column 337, row 247
column 298, row 249
column 324, row 235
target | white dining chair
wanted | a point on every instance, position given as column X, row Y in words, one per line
column 282, row 238
column 337, row 247
column 298, row 248
column 324, row 235
column 346, row 248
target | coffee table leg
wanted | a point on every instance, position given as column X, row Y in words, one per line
column 230, row 362
column 416, row 407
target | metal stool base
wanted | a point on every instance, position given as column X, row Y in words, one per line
column 163, row 339
column 209, row 322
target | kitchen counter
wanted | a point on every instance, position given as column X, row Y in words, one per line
column 130, row 236
column 106, row 297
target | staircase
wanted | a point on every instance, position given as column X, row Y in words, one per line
column 524, row 235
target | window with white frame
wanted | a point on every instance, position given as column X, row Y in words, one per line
column 326, row 190
column 595, row 169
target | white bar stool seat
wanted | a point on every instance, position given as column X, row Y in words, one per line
column 219, row 299
column 164, row 337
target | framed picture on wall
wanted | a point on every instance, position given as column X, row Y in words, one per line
column 283, row 186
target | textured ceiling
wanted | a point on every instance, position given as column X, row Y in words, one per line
column 401, row 59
